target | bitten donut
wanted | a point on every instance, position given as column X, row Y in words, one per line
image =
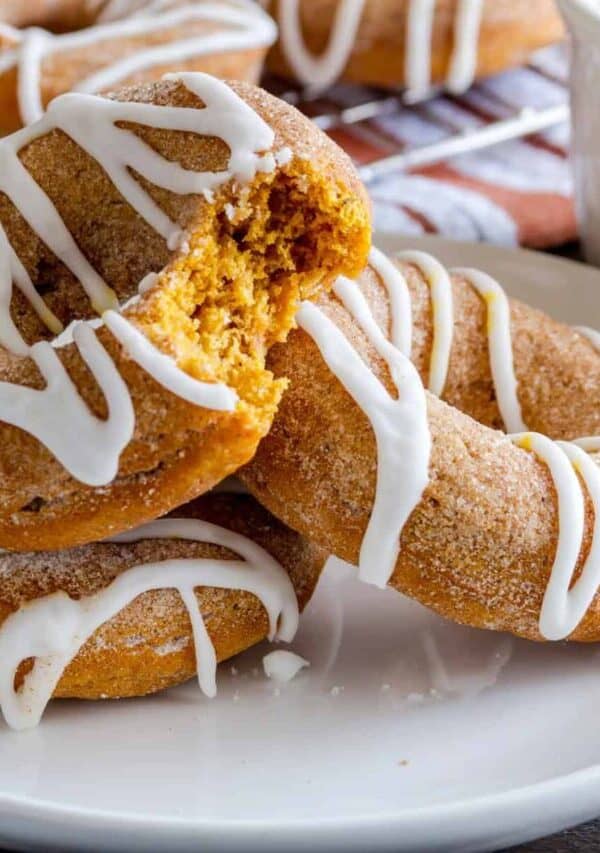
column 491, row 530
column 408, row 43
column 151, row 608
column 190, row 216
column 47, row 48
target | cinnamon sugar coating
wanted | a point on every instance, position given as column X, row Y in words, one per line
column 178, row 450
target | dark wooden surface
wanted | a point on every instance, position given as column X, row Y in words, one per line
column 584, row 838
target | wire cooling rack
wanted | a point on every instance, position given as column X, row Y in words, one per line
column 385, row 135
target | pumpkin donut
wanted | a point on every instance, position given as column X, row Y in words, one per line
column 148, row 611
column 408, row 43
column 48, row 47
column 489, row 530
column 203, row 209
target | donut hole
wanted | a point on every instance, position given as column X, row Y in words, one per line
column 236, row 290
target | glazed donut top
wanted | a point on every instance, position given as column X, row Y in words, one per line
column 53, row 628
column 242, row 26
column 402, row 433
column 88, row 447
column 320, row 72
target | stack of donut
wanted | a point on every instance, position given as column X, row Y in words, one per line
column 188, row 291
column 154, row 245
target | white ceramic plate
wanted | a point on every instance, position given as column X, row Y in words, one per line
column 407, row 733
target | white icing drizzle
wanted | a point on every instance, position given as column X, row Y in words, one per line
column 53, row 629
column 31, row 51
column 148, row 282
column 400, row 301
column 418, row 49
column 500, row 346
column 399, row 424
column 88, row 447
column 564, row 606
column 67, row 335
column 57, row 416
column 162, row 368
column 463, row 64
column 443, row 315
column 11, row 269
column 321, row 71
column 245, row 26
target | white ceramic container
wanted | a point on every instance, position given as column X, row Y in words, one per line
column 583, row 20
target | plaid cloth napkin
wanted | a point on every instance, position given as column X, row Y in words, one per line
column 514, row 193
